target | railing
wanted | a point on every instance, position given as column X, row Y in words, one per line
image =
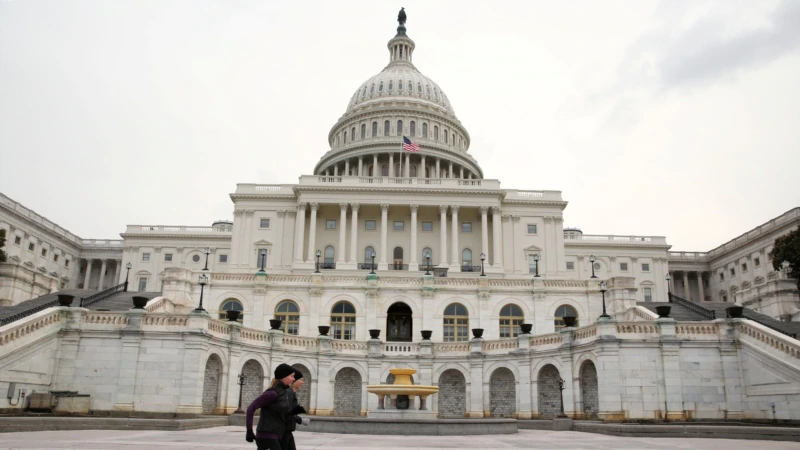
column 694, row 307
column 413, row 182
column 470, row 268
column 791, row 347
column 327, row 265
column 367, row 266
column 655, row 240
column 391, row 347
column 102, row 295
column 398, row 266
column 23, row 314
column 175, row 229
column 752, row 315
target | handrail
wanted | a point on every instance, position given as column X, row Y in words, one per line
column 749, row 315
column 102, row 295
column 23, row 314
column 694, row 307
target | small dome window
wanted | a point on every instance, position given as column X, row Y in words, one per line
column 391, row 85
column 419, row 88
column 410, row 86
column 428, row 90
column 380, row 88
column 372, row 89
column 364, row 94
column 400, row 85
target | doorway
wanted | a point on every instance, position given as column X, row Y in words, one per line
column 399, row 323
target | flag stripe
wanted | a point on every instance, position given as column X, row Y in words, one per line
column 409, row 145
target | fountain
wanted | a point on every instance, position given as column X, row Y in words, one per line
column 401, row 397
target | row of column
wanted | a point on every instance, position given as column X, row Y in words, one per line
column 440, row 168
column 103, row 267
column 496, row 257
column 687, row 291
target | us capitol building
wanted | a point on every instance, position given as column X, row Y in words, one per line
column 379, row 238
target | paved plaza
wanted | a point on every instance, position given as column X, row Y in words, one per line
column 233, row 438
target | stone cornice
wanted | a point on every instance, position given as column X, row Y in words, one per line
column 634, row 244
column 428, row 189
column 215, row 236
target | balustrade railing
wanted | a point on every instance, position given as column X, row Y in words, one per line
column 398, row 266
column 694, row 307
column 102, row 295
column 367, row 266
column 327, row 265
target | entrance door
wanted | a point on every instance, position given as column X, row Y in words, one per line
column 398, row 323
column 397, row 258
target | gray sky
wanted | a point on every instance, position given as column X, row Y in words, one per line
column 677, row 118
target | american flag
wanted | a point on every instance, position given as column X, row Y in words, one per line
column 409, row 145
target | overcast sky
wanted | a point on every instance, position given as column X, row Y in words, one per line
column 674, row 118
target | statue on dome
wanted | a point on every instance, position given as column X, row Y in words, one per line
column 401, row 17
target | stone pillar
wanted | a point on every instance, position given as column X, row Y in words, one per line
column 342, row 252
column 454, row 262
column 700, row 287
column 438, row 173
column 461, row 173
column 100, row 282
column 485, row 232
column 476, row 387
column 361, row 166
column 412, row 263
column 671, row 366
column 497, row 246
column 442, row 230
column 376, row 171
column 312, row 232
column 686, row 291
column 354, row 233
column 336, row 170
column 424, row 169
column 407, row 170
column 391, row 164
column 347, row 167
column 118, row 264
column 299, row 234
column 383, row 261
column 450, row 170
column 89, row 273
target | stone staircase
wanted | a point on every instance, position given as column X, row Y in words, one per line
column 38, row 302
column 678, row 312
column 121, row 301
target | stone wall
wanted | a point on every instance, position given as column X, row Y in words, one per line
column 549, row 394
column 502, row 394
column 253, row 382
column 452, row 394
column 211, row 384
column 589, row 398
column 304, row 394
column 347, row 392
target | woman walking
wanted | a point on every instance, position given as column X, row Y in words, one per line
column 287, row 443
column 276, row 406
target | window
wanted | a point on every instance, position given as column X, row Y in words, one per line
column 532, row 228
column 168, row 257
column 264, row 223
column 427, row 226
column 722, row 276
column 648, row 294
column 466, row 227
column 570, row 265
column 435, row 133
column 374, row 129
column 345, row 137
column 445, row 135
column 329, row 255
column 645, row 267
column 757, row 262
column 145, row 257
column 55, row 257
column 363, row 131
column 455, row 323
column 380, row 88
column 196, row 258
column 330, row 224
column 353, row 134
column 261, row 257
column 419, row 88
column 289, row 314
column 31, row 246
column 744, row 267
column 453, row 141
column 386, row 128
column 510, row 320
column 533, row 265
column 400, row 83
column 724, row 298
column 66, row 263
column 733, row 272
column 223, row 258
column 466, row 258
column 17, row 240
column 623, row 267
column 399, row 127
column 368, row 256
column 343, row 321
column 424, row 130
column 412, row 128
column 425, row 252
column 399, row 225
column 369, row 225
column 391, row 85
column 142, row 284
column 428, row 90
column 564, row 311
column 231, row 305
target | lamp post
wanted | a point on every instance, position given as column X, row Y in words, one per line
column 603, row 291
column 262, row 260
column 372, row 266
column 127, row 272
column 669, row 287
column 207, row 251
column 536, row 262
column 428, row 267
column 202, row 281
column 319, row 253
column 592, row 259
column 483, row 258
column 241, row 385
column 561, row 388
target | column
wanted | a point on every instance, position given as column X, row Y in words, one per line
column 412, row 264
column 299, row 234
column 686, row 292
column 442, row 230
column 354, row 233
column 346, row 167
column 312, row 232
column 485, row 232
column 450, row 170
column 391, row 164
column 100, row 283
column 461, row 173
column 438, row 174
column 383, row 262
column 497, row 246
column 376, row 171
column 361, row 166
column 407, row 169
column 454, row 262
column 341, row 251
column 424, row 169
column 336, row 170
column 118, row 263
column 89, row 273
column 700, row 286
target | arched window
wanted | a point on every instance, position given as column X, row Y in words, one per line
column 364, row 94
column 412, row 128
column 400, row 85
column 391, row 85
column 368, row 258
column 337, row 140
column 343, row 321
column 374, row 129
column 399, row 127
column 384, row 170
column 363, row 131
column 410, row 86
column 427, row 252
column 328, row 262
column 454, row 139
column 353, row 134
column 289, row 314
column 231, row 305
column 397, row 172
column 424, row 130
column 345, row 137
column 412, row 172
column 455, row 323
column 372, row 89
column 428, row 90
column 386, row 126
column 445, row 135
column 380, row 88
column 419, row 88
column 466, row 259
column 510, row 320
column 564, row 311
column 435, row 134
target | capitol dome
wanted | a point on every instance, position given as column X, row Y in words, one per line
column 399, row 102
